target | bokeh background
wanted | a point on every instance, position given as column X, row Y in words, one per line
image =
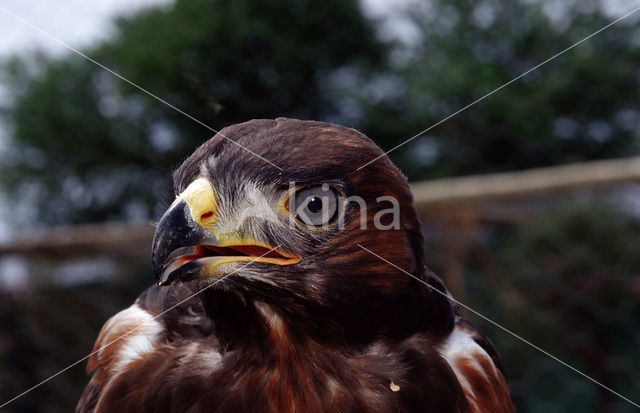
column 86, row 158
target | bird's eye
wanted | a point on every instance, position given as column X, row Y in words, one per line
column 316, row 205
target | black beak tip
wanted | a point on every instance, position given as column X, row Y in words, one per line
column 176, row 229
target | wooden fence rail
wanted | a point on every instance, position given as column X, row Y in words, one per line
column 135, row 239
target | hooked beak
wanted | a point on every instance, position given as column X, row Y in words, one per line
column 183, row 250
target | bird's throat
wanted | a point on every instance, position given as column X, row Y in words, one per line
column 242, row 322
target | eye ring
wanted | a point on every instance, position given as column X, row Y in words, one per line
column 316, row 206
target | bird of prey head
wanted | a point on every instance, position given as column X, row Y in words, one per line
column 273, row 228
column 297, row 250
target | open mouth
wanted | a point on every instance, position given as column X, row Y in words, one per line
column 195, row 258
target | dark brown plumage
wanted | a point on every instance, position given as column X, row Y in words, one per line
column 295, row 317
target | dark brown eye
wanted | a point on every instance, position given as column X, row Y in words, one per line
column 316, row 205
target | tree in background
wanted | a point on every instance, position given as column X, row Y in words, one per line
column 581, row 106
column 88, row 147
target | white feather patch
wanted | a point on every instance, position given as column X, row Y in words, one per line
column 137, row 331
column 460, row 346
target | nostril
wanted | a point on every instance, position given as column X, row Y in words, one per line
column 206, row 215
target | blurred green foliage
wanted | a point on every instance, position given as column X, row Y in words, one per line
column 86, row 146
column 569, row 282
column 581, row 106
column 89, row 147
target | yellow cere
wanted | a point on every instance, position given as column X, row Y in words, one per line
column 201, row 199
